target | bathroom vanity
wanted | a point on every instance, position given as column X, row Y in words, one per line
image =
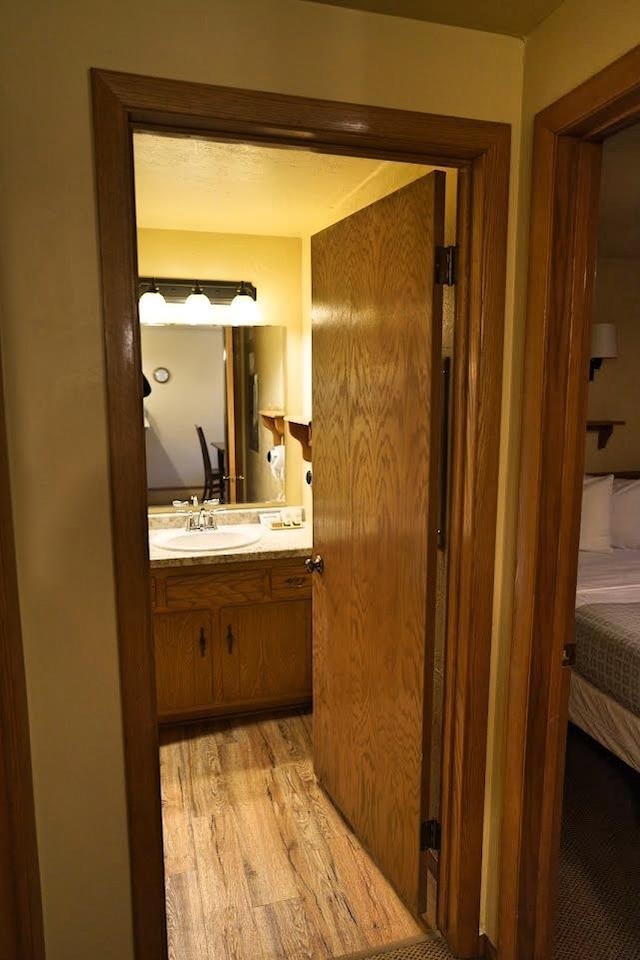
column 232, row 631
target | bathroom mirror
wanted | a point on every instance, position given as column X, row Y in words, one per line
column 212, row 417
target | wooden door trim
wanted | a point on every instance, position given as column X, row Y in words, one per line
column 564, row 212
column 21, row 923
column 122, row 103
column 230, row 394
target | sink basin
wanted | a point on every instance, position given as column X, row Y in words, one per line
column 207, row 541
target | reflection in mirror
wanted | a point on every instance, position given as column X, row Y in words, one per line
column 205, row 433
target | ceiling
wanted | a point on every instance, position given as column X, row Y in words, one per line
column 516, row 18
column 619, row 222
column 184, row 183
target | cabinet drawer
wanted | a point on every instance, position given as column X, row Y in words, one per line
column 290, row 581
column 217, row 589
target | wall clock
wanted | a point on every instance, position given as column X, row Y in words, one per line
column 161, row 375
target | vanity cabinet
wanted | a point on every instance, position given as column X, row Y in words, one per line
column 184, row 676
column 265, row 652
column 233, row 638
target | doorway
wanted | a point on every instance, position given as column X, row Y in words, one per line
column 232, row 635
column 122, row 104
column 568, row 147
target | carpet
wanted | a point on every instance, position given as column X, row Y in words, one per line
column 599, row 883
column 423, row 948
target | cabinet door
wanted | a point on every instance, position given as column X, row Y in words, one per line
column 183, row 660
column 265, row 652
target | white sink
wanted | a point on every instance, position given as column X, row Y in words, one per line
column 207, row 541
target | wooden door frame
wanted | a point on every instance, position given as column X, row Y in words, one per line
column 21, row 924
column 481, row 151
column 568, row 139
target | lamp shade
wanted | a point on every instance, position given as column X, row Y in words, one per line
column 152, row 307
column 197, row 307
column 604, row 341
column 244, row 310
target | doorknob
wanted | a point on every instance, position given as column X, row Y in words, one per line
column 314, row 564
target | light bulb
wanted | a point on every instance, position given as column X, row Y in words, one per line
column 152, row 307
column 197, row 307
column 244, row 309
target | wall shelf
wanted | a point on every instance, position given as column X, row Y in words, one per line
column 274, row 421
column 604, row 429
column 300, row 430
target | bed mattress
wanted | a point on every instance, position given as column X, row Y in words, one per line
column 605, row 720
column 608, row 577
column 608, row 650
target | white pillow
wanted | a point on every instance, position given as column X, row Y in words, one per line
column 625, row 514
column 595, row 522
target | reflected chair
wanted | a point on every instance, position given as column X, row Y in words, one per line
column 213, row 482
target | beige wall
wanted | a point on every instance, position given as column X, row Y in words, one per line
column 49, row 285
column 273, row 265
column 579, row 39
column 614, row 393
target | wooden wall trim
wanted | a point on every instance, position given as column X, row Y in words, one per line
column 21, row 925
column 564, row 212
column 472, row 552
column 125, row 102
column 118, row 260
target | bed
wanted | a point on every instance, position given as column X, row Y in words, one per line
column 605, row 682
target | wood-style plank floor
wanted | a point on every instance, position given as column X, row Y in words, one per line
column 259, row 864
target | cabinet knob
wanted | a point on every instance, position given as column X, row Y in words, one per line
column 230, row 638
column 314, row 564
column 203, row 642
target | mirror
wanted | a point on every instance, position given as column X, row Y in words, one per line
column 212, row 413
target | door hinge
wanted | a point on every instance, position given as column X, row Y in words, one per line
column 430, row 835
column 446, row 265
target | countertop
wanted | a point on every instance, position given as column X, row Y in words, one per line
column 272, row 545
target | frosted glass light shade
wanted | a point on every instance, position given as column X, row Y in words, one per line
column 604, row 341
column 152, row 308
column 244, row 311
column 197, row 308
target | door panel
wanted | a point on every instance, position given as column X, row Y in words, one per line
column 184, row 678
column 377, row 318
column 265, row 651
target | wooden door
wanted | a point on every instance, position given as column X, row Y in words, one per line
column 184, row 676
column 377, row 316
column 265, row 652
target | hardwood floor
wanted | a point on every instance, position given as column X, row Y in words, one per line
column 259, row 864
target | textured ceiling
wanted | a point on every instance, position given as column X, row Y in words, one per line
column 619, row 224
column 514, row 17
column 184, row 183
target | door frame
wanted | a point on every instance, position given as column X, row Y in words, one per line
column 567, row 150
column 481, row 151
column 21, row 921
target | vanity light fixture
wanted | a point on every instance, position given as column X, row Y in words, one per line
column 244, row 309
column 199, row 303
column 197, row 306
column 604, row 345
column 152, row 306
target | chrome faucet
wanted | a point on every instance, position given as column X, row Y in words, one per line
column 203, row 520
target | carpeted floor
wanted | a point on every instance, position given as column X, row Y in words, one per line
column 422, row 948
column 599, row 894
